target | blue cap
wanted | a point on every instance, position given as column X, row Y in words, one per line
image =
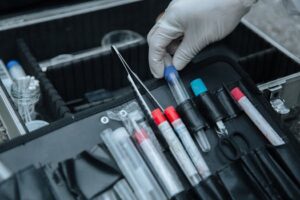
column 11, row 63
column 198, row 86
column 168, row 71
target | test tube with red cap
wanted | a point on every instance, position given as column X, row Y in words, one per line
column 165, row 173
column 176, row 147
column 255, row 116
column 187, row 141
column 167, row 132
column 186, row 107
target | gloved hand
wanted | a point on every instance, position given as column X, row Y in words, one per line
column 200, row 22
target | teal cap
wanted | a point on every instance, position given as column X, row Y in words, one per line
column 198, row 86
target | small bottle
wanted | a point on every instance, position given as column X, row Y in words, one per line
column 15, row 69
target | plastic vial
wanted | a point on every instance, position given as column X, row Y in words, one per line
column 175, row 84
column 187, row 142
column 158, row 162
column 15, row 69
column 26, row 93
column 261, row 123
column 181, row 96
column 200, row 91
column 176, row 147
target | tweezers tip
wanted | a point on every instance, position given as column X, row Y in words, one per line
column 114, row 49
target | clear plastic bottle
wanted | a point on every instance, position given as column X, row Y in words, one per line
column 26, row 93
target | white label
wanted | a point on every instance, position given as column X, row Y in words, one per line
column 178, row 151
column 260, row 122
column 191, row 147
column 159, row 164
column 152, row 136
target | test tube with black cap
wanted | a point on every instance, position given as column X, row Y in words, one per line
column 186, row 108
column 209, row 106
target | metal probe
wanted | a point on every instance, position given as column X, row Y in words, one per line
column 164, row 126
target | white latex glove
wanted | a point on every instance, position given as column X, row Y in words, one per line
column 200, row 22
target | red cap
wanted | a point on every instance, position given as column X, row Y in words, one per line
column 171, row 114
column 140, row 136
column 237, row 94
column 158, row 116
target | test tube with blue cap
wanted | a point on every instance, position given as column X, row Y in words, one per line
column 15, row 69
column 186, row 108
column 209, row 106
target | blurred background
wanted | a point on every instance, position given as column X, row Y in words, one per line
column 280, row 21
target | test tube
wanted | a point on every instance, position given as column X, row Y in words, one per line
column 15, row 69
column 187, row 142
column 256, row 117
column 158, row 162
column 141, row 121
column 188, row 111
column 123, row 190
column 209, row 106
column 176, row 86
column 176, row 147
column 131, row 164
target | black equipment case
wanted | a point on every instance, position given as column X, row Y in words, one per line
column 57, row 161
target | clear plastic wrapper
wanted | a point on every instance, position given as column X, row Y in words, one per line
column 108, row 195
column 133, row 107
column 123, row 190
column 131, row 164
column 165, row 173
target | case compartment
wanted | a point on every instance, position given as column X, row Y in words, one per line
column 268, row 65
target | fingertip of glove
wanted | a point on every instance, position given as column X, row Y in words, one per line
column 152, row 32
column 156, row 69
column 179, row 64
column 155, row 74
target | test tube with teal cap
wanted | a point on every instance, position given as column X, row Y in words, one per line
column 209, row 106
